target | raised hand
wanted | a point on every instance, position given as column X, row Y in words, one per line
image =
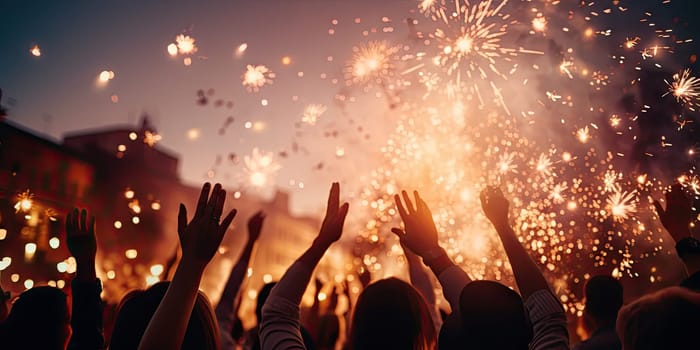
column 495, row 205
column 420, row 234
column 678, row 214
column 255, row 226
column 200, row 238
column 80, row 236
column 365, row 277
column 332, row 226
column 333, row 300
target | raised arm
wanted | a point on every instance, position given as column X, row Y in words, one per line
column 280, row 316
column 676, row 218
column 225, row 310
column 200, row 240
column 546, row 313
column 527, row 275
column 86, row 318
column 421, row 280
column 420, row 236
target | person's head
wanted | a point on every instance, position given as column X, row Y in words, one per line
column 39, row 319
column 391, row 314
column 668, row 319
column 137, row 309
column 492, row 316
column 328, row 331
column 603, row 296
column 262, row 297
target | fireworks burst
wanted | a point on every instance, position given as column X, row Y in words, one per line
column 151, row 138
column 24, row 201
column 185, row 45
column 621, row 204
column 312, row 112
column 256, row 77
column 371, row 61
column 260, row 167
column 685, row 88
column 544, row 165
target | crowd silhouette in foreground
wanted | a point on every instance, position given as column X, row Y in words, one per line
column 388, row 314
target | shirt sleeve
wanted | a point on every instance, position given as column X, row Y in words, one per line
column 453, row 280
column 225, row 315
column 280, row 324
column 548, row 321
column 86, row 318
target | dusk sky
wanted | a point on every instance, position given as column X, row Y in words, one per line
column 58, row 92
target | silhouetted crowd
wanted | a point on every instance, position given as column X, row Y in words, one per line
column 388, row 314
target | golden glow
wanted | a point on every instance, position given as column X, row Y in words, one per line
column 172, row 49
column 131, row 254
column 539, row 24
column 29, row 251
column 35, row 51
column 156, row 270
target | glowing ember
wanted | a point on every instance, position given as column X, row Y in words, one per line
column 312, row 112
column 35, row 51
column 256, row 77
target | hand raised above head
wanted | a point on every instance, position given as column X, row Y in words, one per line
column 678, row 214
column 332, row 226
column 495, row 205
column 420, row 234
column 200, row 238
column 255, row 225
column 80, row 236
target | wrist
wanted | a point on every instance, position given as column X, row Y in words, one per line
column 432, row 254
column 190, row 267
column 688, row 247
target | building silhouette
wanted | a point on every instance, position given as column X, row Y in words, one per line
column 133, row 187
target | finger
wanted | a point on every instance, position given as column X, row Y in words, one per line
column 91, row 228
column 497, row 191
column 181, row 218
column 202, row 202
column 68, row 223
column 227, row 220
column 219, row 209
column 333, row 199
column 483, row 197
column 74, row 221
column 409, row 204
column 659, row 209
column 400, row 208
column 83, row 218
column 211, row 205
column 420, row 203
column 342, row 213
column 397, row 231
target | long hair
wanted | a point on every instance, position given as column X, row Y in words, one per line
column 391, row 314
column 137, row 308
column 39, row 319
